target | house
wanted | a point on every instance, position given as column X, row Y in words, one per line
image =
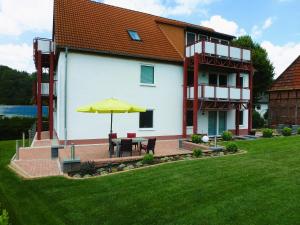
column 189, row 77
column 284, row 97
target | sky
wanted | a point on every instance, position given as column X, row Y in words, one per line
column 275, row 24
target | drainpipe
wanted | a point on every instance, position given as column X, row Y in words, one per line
column 65, row 95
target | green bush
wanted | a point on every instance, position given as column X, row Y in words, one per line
column 196, row 138
column 227, row 136
column 197, row 152
column 148, row 159
column 286, row 131
column 4, row 218
column 231, row 147
column 12, row 128
column 298, row 131
column 257, row 120
column 88, row 168
column 267, row 133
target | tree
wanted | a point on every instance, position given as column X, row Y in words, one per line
column 15, row 86
column 264, row 69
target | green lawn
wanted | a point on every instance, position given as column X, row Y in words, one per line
column 260, row 187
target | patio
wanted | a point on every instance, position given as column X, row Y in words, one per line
column 36, row 161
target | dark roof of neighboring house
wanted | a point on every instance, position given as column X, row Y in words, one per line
column 92, row 26
column 289, row 79
column 263, row 99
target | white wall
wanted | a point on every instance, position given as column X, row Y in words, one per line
column 263, row 109
column 94, row 78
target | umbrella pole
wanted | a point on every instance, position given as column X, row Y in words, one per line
column 111, row 121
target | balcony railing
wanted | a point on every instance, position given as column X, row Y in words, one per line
column 220, row 93
column 220, row 50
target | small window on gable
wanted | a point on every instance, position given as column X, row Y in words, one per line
column 134, row 35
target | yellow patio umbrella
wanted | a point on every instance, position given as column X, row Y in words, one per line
column 111, row 106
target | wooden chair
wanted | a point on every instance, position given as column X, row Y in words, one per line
column 150, row 145
column 126, row 146
column 111, row 144
column 133, row 135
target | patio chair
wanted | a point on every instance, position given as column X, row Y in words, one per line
column 126, row 146
column 133, row 135
column 111, row 144
column 150, row 145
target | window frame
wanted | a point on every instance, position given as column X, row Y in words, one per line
column 186, row 38
column 147, row 84
column 131, row 37
column 146, row 128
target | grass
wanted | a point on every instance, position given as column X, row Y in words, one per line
column 260, row 187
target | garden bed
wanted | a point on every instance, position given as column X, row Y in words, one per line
column 128, row 166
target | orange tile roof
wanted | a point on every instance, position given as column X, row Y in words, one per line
column 92, row 26
column 289, row 79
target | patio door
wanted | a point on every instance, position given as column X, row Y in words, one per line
column 222, row 121
column 212, row 122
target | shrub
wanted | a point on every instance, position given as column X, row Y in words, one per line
column 227, row 136
column 4, row 217
column 298, row 131
column 286, row 131
column 231, row 147
column 267, row 133
column 148, row 159
column 197, row 152
column 196, row 138
column 88, row 168
column 258, row 121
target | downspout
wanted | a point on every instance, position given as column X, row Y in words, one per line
column 65, row 95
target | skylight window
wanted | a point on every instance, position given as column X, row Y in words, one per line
column 134, row 35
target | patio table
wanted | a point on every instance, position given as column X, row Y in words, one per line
column 137, row 140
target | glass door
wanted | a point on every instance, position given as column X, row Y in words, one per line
column 222, row 121
column 212, row 123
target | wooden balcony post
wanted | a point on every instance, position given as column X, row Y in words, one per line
column 51, row 83
column 251, row 99
column 39, row 95
column 184, row 103
column 195, row 105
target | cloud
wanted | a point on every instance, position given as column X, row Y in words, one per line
column 281, row 55
column 220, row 24
column 258, row 30
column 19, row 16
column 17, row 56
column 161, row 7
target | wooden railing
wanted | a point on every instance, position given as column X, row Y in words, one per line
column 221, row 93
column 220, row 50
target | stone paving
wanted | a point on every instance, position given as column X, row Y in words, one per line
column 36, row 161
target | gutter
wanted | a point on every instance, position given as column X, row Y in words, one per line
column 65, row 95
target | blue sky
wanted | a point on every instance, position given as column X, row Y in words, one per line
column 275, row 24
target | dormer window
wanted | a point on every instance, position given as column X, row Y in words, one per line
column 134, row 35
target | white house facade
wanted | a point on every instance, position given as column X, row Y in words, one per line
column 189, row 78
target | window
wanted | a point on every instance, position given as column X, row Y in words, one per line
column 134, row 35
column 189, row 118
column 213, row 79
column 146, row 119
column 224, row 42
column 190, row 79
column 190, row 38
column 258, row 107
column 223, row 80
column 241, row 115
column 147, row 74
column 241, row 81
column 203, row 37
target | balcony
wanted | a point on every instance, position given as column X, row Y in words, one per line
column 212, row 93
column 218, row 50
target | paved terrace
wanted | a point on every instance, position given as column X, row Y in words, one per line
column 36, row 161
